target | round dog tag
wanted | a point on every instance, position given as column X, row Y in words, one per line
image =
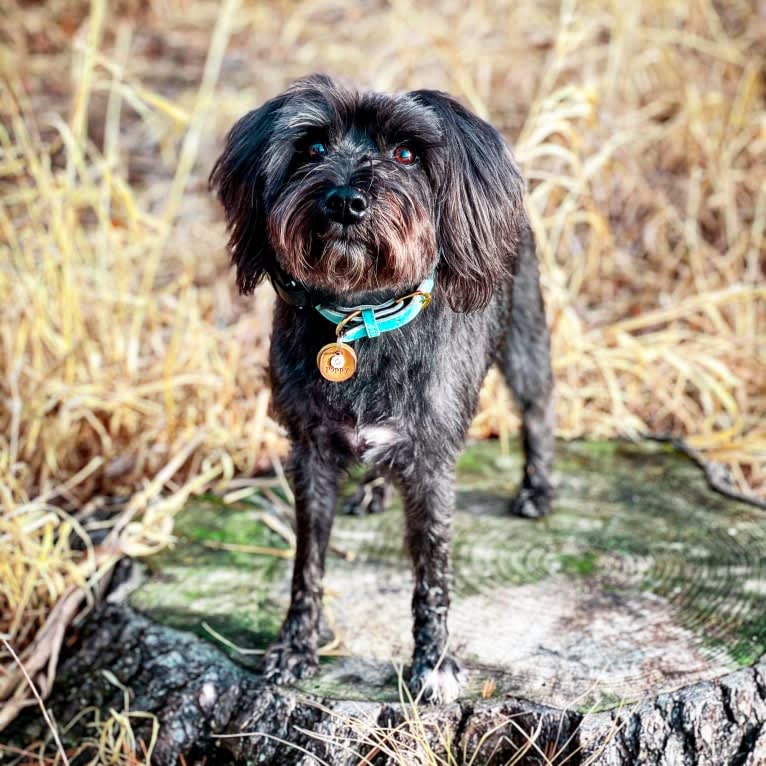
column 336, row 362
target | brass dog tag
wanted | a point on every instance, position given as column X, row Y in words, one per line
column 336, row 362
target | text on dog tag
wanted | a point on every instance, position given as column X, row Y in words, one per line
column 336, row 362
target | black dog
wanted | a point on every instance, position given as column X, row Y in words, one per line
column 351, row 202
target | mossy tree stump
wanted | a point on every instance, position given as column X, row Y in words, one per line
column 626, row 628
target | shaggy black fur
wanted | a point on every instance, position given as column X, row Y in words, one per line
column 431, row 186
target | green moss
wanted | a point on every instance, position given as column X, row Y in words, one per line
column 478, row 459
column 579, row 564
column 194, row 583
column 376, row 682
column 601, row 448
column 241, row 526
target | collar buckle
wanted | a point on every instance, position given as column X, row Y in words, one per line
column 424, row 303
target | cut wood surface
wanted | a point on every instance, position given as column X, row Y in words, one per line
column 625, row 629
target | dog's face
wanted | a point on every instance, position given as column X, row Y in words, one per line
column 351, row 192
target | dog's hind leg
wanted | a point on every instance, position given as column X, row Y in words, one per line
column 526, row 364
column 315, row 485
column 370, row 496
column 428, row 493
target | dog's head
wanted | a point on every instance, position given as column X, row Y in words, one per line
column 352, row 192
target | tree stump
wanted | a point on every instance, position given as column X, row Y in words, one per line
column 626, row 628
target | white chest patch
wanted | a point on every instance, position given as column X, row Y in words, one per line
column 375, row 440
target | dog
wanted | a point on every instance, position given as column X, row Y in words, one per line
column 393, row 230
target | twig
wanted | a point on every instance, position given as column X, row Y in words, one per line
column 229, row 643
column 46, row 715
column 716, row 475
column 258, row 550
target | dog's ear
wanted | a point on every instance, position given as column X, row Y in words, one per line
column 479, row 197
column 239, row 178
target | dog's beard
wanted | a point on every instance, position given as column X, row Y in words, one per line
column 393, row 246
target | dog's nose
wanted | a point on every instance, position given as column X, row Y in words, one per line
column 345, row 204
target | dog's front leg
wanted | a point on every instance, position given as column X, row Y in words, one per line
column 315, row 484
column 429, row 496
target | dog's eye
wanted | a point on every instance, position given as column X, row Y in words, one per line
column 317, row 150
column 404, row 155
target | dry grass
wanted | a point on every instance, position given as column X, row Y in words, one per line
column 113, row 741
column 129, row 369
column 422, row 736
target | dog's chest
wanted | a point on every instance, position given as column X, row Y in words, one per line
column 372, row 443
column 374, row 414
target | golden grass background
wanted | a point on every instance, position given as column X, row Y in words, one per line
column 132, row 375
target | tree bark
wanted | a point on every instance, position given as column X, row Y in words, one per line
column 208, row 709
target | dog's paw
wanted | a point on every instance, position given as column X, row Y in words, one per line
column 371, row 496
column 532, row 502
column 286, row 664
column 436, row 685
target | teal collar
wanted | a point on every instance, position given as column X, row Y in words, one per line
column 369, row 321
